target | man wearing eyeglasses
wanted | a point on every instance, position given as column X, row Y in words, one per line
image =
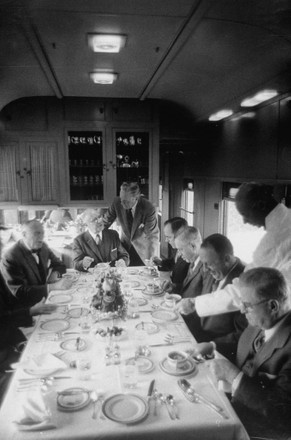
column 261, row 379
column 98, row 245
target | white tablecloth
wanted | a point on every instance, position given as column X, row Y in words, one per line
column 196, row 421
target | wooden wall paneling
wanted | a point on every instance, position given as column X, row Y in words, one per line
column 284, row 150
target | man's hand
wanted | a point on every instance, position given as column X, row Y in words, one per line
column 87, row 262
column 120, row 263
column 157, row 261
column 62, row 284
column 204, row 349
column 42, row 309
column 223, row 369
column 186, row 306
column 53, row 276
column 167, row 286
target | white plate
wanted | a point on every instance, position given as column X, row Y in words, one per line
column 73, row 399
column 60, row 298
column 149, row 327
column 164, row 316
column 77, row 312
column 158, row 293
column 144, row 364
column 131, row 284
column 132, row 271
column 125, row 408
column 188, row 368
column 142, row 301
column 173, row 296
column 86, row 289
column 70, row 345
column 55, row 325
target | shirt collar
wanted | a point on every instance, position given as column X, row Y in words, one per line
column 221, row 282
column 271, row 331
column 134, row 208
column 94, row 235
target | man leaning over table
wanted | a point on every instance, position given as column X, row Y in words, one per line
column 30, row 267
column 137, row 218
column 98, row 245
column 258, row 207
column 175, row 264
column 260, row 382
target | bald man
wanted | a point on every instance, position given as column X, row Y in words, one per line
column 98, row 245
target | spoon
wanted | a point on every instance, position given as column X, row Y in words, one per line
column 171, row 401
column 94, row 399
column 163, row 401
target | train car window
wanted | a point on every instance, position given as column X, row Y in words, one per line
column 244, row 237
column 187, row 208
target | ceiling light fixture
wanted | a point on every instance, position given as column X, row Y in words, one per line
column 103, row 77
column 222, row 114
column 111, row 43
column 260, row 97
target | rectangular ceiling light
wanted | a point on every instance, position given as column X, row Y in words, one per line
column 103, row 77
column 111, row 43
column 222, row 114
column 260, row 97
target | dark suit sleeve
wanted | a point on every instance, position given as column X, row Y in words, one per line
column 56, row 264
column 79, row 255
column 110, row 216
column 16, row 279
column 267, row 396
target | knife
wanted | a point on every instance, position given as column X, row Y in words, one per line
column 151, row 389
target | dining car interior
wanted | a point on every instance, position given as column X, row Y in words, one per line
column 162, row 126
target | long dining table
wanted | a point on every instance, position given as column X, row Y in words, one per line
column 90, row 360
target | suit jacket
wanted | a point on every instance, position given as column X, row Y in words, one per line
column 144, row 235
column 193, row 282
column 22, row 273
column 110, row 249
column 266, row 385
column 224, row 329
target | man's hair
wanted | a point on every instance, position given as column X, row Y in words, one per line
column 131, row 188
column 177, row 224
column 220, row 243
column 190, row 234
column 256, row 193
column 268, row 283
column 91, row 211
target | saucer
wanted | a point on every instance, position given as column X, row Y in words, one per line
column 187, row 368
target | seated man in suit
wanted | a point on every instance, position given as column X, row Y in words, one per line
column 98, row 245
column 12, row 317
column 30, row 267
column 217, row 257
column 188, row 244
column 261, row 379
column 176, row 264
column 137, row 218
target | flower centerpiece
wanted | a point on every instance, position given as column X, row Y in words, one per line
column 108, row 297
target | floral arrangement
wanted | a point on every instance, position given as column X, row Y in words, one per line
column 108, row 297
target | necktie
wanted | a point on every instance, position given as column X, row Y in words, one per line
column 129, row 218
column 259, row 341
column 36, row 256
column 98, row 239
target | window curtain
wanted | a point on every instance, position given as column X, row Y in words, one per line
column 43, row 171
column 8, row 181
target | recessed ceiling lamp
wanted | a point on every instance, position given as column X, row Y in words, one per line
column 260, row 97
column 103, row 77
column 111, row 43
column 222, row 114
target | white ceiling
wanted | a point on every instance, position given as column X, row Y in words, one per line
column 203, row 55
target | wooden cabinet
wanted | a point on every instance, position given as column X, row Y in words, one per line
column 29, row 172
column 101, row 160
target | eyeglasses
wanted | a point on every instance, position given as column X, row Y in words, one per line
column 249, row 306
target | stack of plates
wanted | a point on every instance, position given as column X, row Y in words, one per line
column 188, row 367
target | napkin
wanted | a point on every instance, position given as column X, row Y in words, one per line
column 43, row 364
column 31, row 412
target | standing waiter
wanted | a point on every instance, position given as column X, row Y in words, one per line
column 138, row 220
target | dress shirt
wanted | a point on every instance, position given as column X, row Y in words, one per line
column 95, row 235
column 274, row 250
column 134, row 208
column 34, row 253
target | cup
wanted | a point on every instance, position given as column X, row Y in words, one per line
column 176, row 359
column 141, row 343
column 133, row 307
column 170, row 302
column 129, row 374
column 83, row 368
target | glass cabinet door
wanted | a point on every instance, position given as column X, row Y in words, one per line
column 86, row 165
column 132, row 159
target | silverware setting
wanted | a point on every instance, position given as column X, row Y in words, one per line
column 164, row 401
column 195, row 397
